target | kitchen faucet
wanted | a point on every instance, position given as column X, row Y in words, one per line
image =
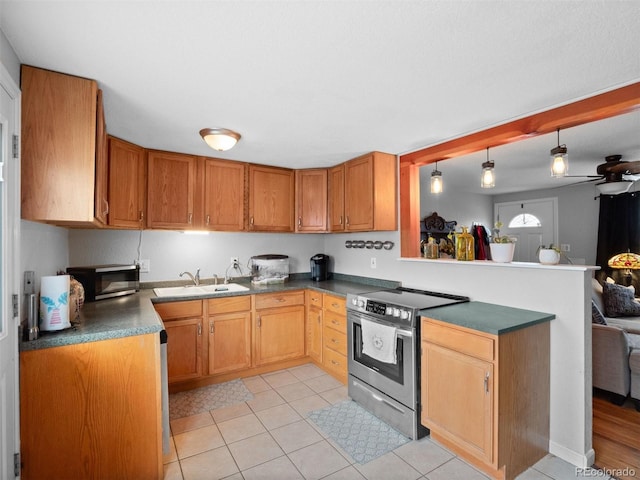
column 195, row 279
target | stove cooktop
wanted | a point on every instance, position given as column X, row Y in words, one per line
column 412, row 298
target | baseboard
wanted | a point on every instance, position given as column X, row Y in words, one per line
column 574, row 458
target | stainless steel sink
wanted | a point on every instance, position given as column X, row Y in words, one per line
column 192, row 290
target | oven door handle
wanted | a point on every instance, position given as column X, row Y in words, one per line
column 404, row 333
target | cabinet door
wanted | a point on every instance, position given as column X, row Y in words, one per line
column 279, row 334
column 336, row 198
column 127, row 184
column 171, row 190
column 358, row 188
column 271, row 196
column 457, row 398
column 224, row 195
column 314, row 333
column 184, row 349
column 58, row 153
column 311, row 200
column 101, row 201
column 229, row 342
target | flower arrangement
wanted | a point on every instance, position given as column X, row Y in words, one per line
column 550, row 247
column 497, row 238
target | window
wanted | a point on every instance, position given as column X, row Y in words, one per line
column 524, row 220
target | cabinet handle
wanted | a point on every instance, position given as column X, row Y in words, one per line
column 335, row 322
column 340, row 219
column 211, row 328
column 199, row 329
column 347, row 219
column 333, row 340
column 486, row 382
column 319, row 318
column 335, row 305
column 299, row 221
column 106, row 207
column 334, row 362
column 251, row 221
column 190, row 219
column 208, row 218
column 141, row 216
column 259, row 321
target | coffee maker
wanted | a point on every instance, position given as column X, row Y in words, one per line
column 320, row 267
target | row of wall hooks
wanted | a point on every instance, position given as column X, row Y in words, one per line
column 378, row 245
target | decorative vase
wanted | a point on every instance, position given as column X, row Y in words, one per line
column 502, row 252
column 548, row 256
column 465, row 248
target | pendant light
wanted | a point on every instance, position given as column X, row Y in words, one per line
column 559, row 160
column 488, row 177
column 436, row 180
column 220, row 139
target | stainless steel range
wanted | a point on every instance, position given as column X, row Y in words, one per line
column 383, row 353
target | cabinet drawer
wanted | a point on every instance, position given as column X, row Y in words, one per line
column 314, row 298
column 283, row 299
column 335, row 340
column 335, row 321
column 335, row 304
column 463, row 341
column 173, row 310
column 241, row 303
column 335, row 362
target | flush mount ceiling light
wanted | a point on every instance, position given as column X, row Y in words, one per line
column 559, row 160
column 488, row 177
column 220, row 139
column 436, row 180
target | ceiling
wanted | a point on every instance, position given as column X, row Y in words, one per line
column 314, row 83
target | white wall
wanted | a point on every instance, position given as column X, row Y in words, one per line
column 43, row 249
column 174, row 252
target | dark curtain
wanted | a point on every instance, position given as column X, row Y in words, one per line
column 618, row 231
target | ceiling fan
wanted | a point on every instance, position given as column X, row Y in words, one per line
column 618, row 175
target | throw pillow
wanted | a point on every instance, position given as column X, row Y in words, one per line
column 619, row 301
column 596, row 314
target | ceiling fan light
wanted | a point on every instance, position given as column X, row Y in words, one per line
column 220, row 139
column 559, row 161
column 436, row 181
column 613, row 188
column 488, row 178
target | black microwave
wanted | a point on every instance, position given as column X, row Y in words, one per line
column 107, row 281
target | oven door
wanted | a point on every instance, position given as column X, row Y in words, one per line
column 396, row 380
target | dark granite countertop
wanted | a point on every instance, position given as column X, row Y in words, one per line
column 135, row 315
column 487, row 317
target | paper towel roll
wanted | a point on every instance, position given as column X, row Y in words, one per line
column 54, row 302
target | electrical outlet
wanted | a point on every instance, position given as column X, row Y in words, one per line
column 145, row 265
column 565, row 247
column 374, row 264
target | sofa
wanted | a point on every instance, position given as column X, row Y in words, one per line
column 616, row 342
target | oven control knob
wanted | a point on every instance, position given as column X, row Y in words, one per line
column 396, row 312
column 388, row 311
column 361, row 303
column 404, row 314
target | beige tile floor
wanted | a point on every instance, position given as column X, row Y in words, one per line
column 270, row 437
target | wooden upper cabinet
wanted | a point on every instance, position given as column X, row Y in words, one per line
column 336, row 198
column 101, row 200
column 311, row 200
column 271, row 198
column 127, row 184
column 171, row 190
column 62, row 166
column 224, row 195
column 370, row 193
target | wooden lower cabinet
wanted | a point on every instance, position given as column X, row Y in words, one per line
column 229, row 334
column 334, row 336
column 183, row 322
column 92, row 410
column 314, row 325
column 486, row 397
column 279, row 327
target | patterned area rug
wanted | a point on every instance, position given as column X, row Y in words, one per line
column 192, row 402
column 361, row 434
